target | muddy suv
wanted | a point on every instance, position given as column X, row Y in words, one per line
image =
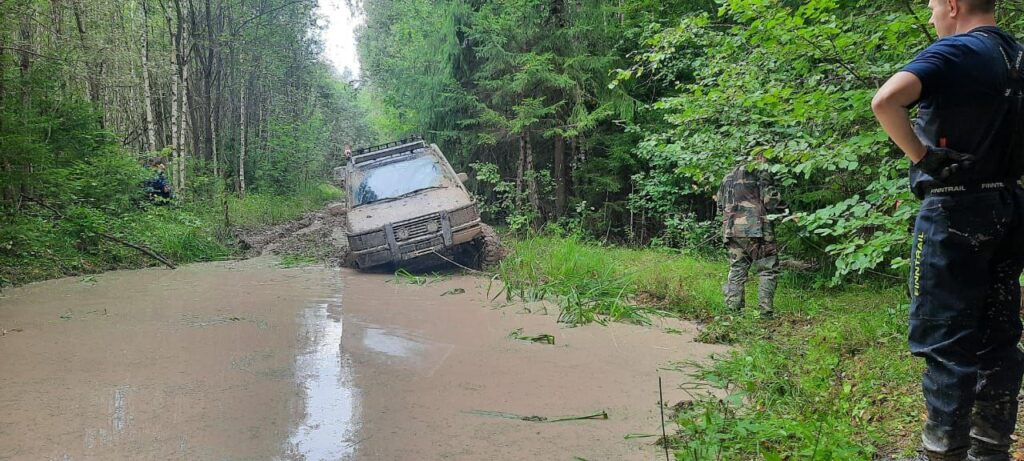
column 405, row 202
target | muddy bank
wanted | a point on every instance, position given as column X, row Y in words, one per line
column 198, row 363
column 430, row 368
column 319, row 235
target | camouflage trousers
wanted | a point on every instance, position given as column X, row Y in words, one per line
column 762, row 256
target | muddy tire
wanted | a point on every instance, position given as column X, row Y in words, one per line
column 349, row 260
column 491, row 250
column 482, row 253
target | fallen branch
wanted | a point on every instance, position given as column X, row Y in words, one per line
column 105, row 235
column 138, row 247
column 538, row 419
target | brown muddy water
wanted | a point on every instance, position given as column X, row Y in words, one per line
column 248, row 360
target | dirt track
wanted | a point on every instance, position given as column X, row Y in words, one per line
column 248, row 360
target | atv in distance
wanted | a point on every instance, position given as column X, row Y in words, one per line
column 405, row 202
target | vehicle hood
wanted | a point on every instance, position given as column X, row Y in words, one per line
column 376, row 215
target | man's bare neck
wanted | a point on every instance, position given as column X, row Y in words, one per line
column 973, row 22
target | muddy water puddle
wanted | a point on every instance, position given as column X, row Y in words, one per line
column 440, row 377
column 330, row 404
column 248, row 360
column 211, row 361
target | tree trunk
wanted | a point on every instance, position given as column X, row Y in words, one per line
column 520, row 167
column 531, row 182
column 185, row 127
column 561, row 194
column 241, row 143
column 175, row 99
column 146, row 91
column 213, row 141
column 94, row 73
column 175, row 95
column 211, row 138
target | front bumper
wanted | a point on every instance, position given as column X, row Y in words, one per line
column 417, row 237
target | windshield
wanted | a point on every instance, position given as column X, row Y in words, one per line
column 397, row 179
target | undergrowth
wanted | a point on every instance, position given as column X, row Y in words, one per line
column 829, row 379
column 36, row 245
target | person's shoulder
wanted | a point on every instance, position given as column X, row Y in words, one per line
column 952, row 45
column 733, row 174
column 977, row 41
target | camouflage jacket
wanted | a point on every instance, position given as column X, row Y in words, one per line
column 745, row 200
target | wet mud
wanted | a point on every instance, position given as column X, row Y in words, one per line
column 440, row 377
column 249, row 360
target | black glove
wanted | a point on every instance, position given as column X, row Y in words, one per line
column 941, row 163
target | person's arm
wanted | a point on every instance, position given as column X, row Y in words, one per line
column 770, row 195
column 890, row 106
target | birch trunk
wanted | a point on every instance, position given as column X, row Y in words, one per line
column 146, row 91
column 241, row 147
column 185, row 127
column 213, row 141
column 175, row 99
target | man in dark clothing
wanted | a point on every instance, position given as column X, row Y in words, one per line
column 968, row 242
column 745, row 199
column 157, row 188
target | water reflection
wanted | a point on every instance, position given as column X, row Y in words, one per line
column 377, row 340
column 326, row 375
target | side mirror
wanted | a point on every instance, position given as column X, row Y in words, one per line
column 463, row 177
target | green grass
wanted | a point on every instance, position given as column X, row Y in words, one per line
column 266, row 209
column 34, row 246
column 290, row 261
column 829, row 379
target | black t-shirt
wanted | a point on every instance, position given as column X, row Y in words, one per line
column 964, row 104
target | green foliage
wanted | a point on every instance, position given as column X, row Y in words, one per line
column 35, row 245
column 256, row 210
column 503, row 201
column 793, row 82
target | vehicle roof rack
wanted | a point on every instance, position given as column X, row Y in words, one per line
column 394, row 148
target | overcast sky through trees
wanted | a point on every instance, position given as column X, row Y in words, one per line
column 339, row 35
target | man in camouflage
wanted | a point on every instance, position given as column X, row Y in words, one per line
column 745, row 200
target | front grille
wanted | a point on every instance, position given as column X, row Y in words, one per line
column 419, row 227
column 419, row 246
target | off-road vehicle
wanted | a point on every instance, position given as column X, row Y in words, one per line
column 406, row 202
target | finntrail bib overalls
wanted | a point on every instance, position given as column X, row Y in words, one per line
column 968, row 246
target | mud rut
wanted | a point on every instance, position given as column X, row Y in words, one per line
column 251, row 360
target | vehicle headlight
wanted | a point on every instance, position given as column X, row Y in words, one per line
column 368, row 240
column 463, row 215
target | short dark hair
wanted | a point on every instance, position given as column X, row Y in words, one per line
column 157, row 161
column 980, row 6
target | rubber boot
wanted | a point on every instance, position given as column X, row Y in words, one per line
column 987, row 442
column 939, row 446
